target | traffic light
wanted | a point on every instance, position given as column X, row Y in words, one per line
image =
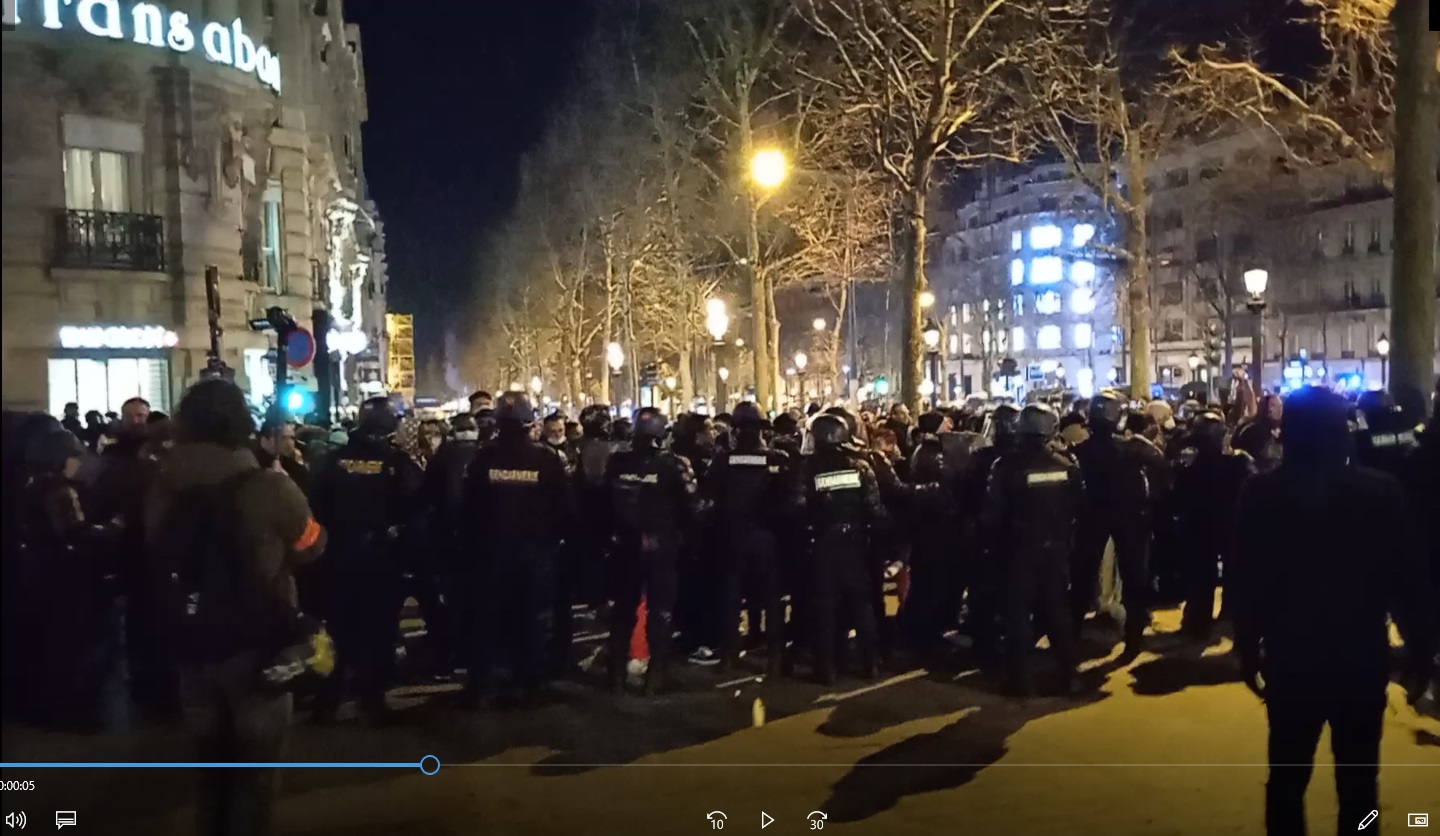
column 881, row 386
column 1213, row 345
column 296, row 400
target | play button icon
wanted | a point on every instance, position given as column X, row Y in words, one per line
column 765, row 819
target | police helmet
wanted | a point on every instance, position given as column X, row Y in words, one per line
column 931, row 422
column 829, row 431
column 852, row 424
column 1105, row 411
column 623, row 429
column 378, row 417
column 747, row 416
column 784, row 424
column 514, row 408
column 1374, row 403
column 463, row 423
column 1037, row 419
column 1208, row 431
column 1002, row 422
column 595, row 420
column 650, row 423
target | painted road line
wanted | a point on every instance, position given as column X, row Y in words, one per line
column 894, row 680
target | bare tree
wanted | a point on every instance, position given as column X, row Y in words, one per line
column 930, row 78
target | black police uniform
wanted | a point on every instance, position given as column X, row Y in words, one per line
column 842, row 507
column 1032, row 506
column 365, row 495
column 1384, row 437
column 1119, row 492
column 517, row 503
column 936, row 588
column 750, row 488
column 983, row 603
column 652, row 501
column 1204, row 500
column 581, row 576
column 444, row 496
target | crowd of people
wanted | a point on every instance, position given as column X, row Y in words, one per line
column 743, row 541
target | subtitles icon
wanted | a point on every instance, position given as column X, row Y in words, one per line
column 64, row 818
column 1418, row 819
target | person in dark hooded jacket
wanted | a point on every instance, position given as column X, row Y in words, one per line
column 1313, row 605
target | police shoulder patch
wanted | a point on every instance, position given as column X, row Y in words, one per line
column 364, row 467
column 1047, row 477
column 640, row 478
column 843, row 480
column 749, row 460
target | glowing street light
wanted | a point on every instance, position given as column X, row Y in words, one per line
column 1256, row 281
column 1382, row 347
column 819, row 324
column 769, row 168
column 801, row 360
column 671, row 382
column 717, row 321
column 927, row 387
column 1194, row 361
column 615, row 357
column 724, row 374
column 927, row 299
column 739, row 342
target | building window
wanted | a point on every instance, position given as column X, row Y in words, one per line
column 967, row 313
column 1084, row 335
column 1177, row 177
column 954, row 343
column 1019, row 304
column 1048, row 337
column 954, row 316
column 1002, row 341
column 1017, row 240
column 1017, row 338
column 1349, row 248
column 1375, row 235
column 1045, row 237
column 1082, row 272
column 967, row 343
column 1174, row 330
column 1172, row 293
column 1082, row 301
column 272, row 239
column 97, row 180
column 1082, row 234
column 985, row 339
column 1017, row 272
column 103, row 384
column 1047, row 303
column 1046, row 270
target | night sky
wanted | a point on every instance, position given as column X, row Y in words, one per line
column 458, row 90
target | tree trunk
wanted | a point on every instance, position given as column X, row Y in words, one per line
column 913, row 277
column 1412, row 303
column 759, row 312
column 607, row 243
column 1137, row 284
column 686, row 388
column 772, row 313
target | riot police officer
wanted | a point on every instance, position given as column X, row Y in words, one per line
column 365, row 497
column 841, row 505
column 653, row 500
column 1384, row 435
column 1033, row 502
column 983, row 604
column 787, row 434
column 580, row 579
column 1205, row 492
column 517, row 505
column 1118, row 497
column 749, row 488
column 444, row 496
column 934, row 598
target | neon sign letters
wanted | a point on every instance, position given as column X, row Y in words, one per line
column 150, row 25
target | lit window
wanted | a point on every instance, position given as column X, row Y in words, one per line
column 1082, row 301
column 1085, row 383
column 272, row 232
column 1002, row 340
column 1082, row 272
column 97, row 180
column 985, row 305
column 953, row 316
column 1019, row 304
column 1017, row 338
column 954, row 344
column 1084, row 335
column 1047, row 303
column 1000, row 308
column 968, row 343
column 966, row 313
column 1046, row 270
column 1048, row 338
column 1017, row 272
column 985, row 339
column 1082, row 234
column 1017, row 240
column 1045, row 237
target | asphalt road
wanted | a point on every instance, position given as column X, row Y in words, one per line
column 1170, row 744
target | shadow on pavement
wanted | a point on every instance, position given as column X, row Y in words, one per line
column 1173, row 674
column 942, row 760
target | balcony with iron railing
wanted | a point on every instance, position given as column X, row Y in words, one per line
column 94, row 239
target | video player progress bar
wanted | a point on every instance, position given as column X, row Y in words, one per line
column 429, row 765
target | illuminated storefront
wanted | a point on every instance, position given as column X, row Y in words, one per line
column 101, row 367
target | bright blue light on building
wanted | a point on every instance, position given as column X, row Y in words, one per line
column 297, row 401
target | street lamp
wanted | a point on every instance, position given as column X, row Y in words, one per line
column 724, row 374
column 536, row 384
column 769, row 168
column 717, row 321
column 615, row 359
column 1255, row 283
column 801, row 360
column 818, row 324
column 931, row 336
column 927, row 300
column 1194, row 362
column 1382, row 347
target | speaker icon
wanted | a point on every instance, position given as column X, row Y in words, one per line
column 15, row 820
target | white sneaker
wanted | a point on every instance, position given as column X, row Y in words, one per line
column 704, row 656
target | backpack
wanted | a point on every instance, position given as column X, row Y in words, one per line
column 221, row 606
